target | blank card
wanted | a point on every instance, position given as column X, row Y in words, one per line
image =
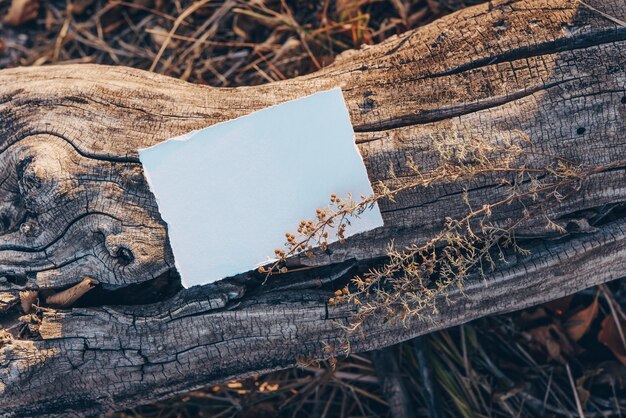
column 230, row 192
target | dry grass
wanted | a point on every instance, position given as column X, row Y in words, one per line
column 493, row 367
column 220, row 43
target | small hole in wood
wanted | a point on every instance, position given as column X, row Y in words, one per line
column 623, row 100
column 580, row 131
column 18, row 279
column 125, row 256
column 572, row 227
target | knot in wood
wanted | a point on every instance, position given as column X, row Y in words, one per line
column 119, row 250
column 125, row 255
column 30, row 177
column 133, row 176
column 29, row 228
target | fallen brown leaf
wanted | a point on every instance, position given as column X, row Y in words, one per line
column 559, row 306
column 22, row 11
column 586, row 379
column 609, row 336
column 577, row 325
column 551, row 339
column 610, row 373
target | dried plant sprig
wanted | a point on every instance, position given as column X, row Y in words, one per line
column 414, row 279
column 460, row 160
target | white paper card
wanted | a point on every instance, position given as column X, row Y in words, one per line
column 230, row 192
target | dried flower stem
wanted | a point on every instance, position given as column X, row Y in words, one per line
column 414, row 279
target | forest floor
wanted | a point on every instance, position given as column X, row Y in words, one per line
column 564, row 358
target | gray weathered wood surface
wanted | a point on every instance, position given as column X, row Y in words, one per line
column 74, row 203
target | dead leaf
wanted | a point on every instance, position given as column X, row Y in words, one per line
column 583, row 394
column 559, row 306
column 586, row 379
column 578, row 324
column 551, row 339
column 611, row 373
column 609, row 336
column 21, row 11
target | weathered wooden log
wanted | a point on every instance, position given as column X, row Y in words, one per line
column 74, row 202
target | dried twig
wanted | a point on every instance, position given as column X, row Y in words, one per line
column 68, row 297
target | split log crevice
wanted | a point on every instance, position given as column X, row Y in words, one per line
column 74, row 202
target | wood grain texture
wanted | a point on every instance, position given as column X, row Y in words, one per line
column 74, row 203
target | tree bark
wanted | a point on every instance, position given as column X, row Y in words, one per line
column 74, row 202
